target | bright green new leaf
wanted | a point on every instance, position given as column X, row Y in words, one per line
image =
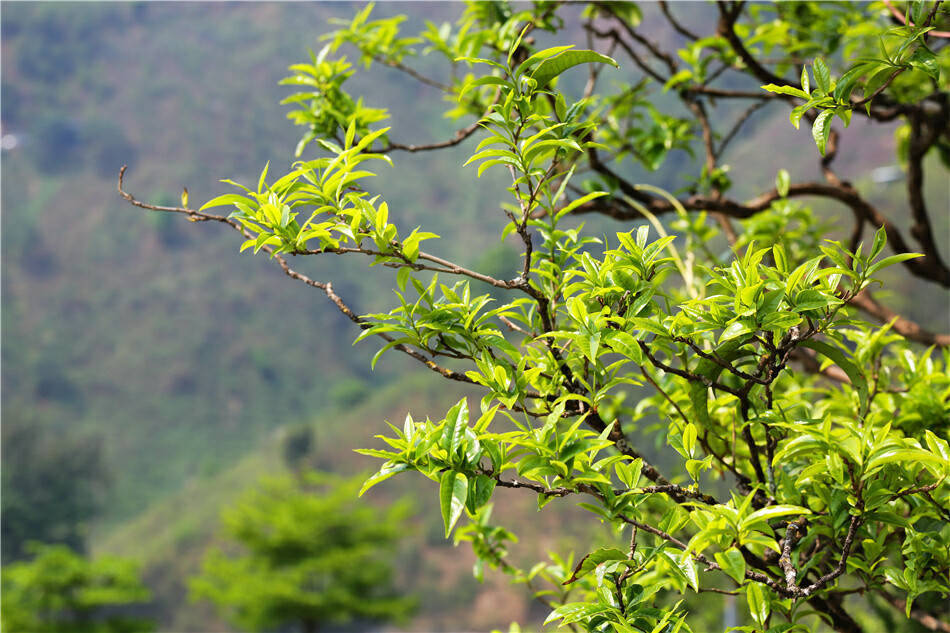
column 821, row 129
column 554, row 66
column 732, row 563
column 453, row 493
column 759, row 605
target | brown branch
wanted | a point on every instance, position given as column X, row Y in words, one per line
column 903, row 20
column 725, row 29
column 925, row 268
column 672, row 490
column 927, row 620
column 457, row 138
column 326, row 287
column 905, row 327
column 699, row 111
column 916, row 490
column 793, row 532
column 923, row 134
column 615, row 36
column 657, row 386
column 679, row 28
column 809, row 360
column 654, row 49
column 737, row 126
column 736, row 94
column 880, row 89
column 687, row 375
column 839, row 568
column 702, row 558
column 412, row 73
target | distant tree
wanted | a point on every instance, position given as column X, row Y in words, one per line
column 301, row 552
column 55, row 144
column 298, row 447
column 53, row 484
column 799, row 455
column 60, row 591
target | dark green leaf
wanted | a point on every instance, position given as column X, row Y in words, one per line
column 554, row 66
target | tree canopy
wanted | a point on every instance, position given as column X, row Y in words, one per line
column 60, row 590
column 53, row 484
column 715, row 380
column 302, row 553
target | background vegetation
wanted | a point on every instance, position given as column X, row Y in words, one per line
column 165, row 388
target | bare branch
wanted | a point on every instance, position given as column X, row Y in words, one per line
column 903, row 20
column 679, row 28
column 903, row 326
column 326, row 287
column 927, row 620
column 457, row 138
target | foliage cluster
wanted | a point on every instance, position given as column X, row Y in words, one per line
column 53, row 486
column 810, row 444
column 60, row 590
column 309, row 557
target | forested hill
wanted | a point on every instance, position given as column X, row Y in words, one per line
column 144, row 354
column 154, row 334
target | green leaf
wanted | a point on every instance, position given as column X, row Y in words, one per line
column 260, row 182
column 773, row 512
column 821, row 129
column 456, row 421
column 689, row 439
column 858, row 382
column 732, row 563
column 388, row 470
column 938, row 463
column 480, row 492
column 795, row 116
column 554, row 66
column 574, row 611
column 453, row 492
column 624, row 343
column 539, row 57
column 592, row 560
column 735, row 330
column 880, row 240
column 936, row 445
column 786, row 90
column 845, row 85
column 924, row 59
column 516, row 44
column 688, row 566
column 877, row 80
column 822, row 76
column 484, row 81
column 758, row 603
column 891, row 260
column 402, row 277
column 579, row 201
column 782, row 180
column 226, row 199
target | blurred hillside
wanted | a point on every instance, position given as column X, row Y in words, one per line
column 153, row 333
column 178, row 362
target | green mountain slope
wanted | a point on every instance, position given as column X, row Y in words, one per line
column 170, row 537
